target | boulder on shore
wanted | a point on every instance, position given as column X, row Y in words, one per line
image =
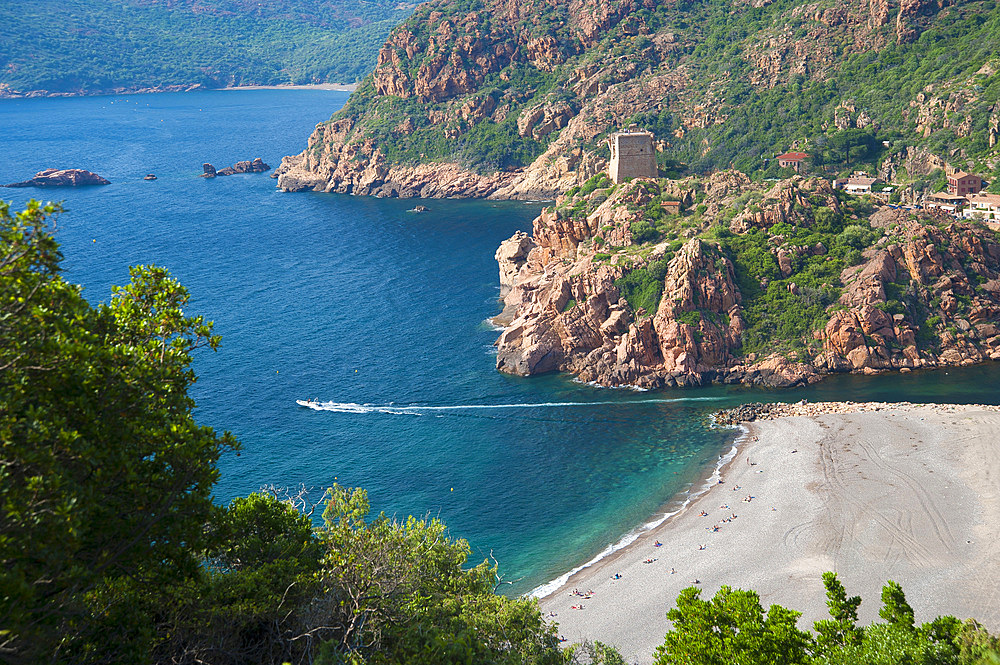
column 62, row 178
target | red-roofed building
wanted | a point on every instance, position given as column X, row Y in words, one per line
column 964, row 184
column 792, row 160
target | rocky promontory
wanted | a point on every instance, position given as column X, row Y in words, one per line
column 62, row 178
column 510, row 100
column 765, row 284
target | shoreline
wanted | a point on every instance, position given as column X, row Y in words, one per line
column 334, row 87
column 45, row 94
column 873, row 491
column 675, row 505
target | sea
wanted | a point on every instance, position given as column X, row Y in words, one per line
column 383, row 315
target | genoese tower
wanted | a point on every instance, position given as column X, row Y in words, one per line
column 632, row 155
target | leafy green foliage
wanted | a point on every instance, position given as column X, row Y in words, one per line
column 82, row 45
column 643, row 287
column 732, row 628
column 593, row 653
column 403, row 596
column 261, row 573
column 579, row 202
column 692, row 318
column 106, row 476
column 841, row 628
column 773, row 311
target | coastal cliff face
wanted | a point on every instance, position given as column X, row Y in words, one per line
column 774, row 285
column 514, row 100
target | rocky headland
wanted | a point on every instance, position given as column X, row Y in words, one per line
column 62, row 178
column 515, row 100
column 765, row 284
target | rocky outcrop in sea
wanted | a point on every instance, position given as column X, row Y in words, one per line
column 256, row 166
column 62, row 178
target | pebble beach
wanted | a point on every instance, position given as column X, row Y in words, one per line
column 872, row 491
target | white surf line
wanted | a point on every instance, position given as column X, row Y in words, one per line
column 550, row 587
column 353, row 407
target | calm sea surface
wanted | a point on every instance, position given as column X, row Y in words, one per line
column 376, row 310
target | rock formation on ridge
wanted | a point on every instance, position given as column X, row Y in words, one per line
column 761, row 284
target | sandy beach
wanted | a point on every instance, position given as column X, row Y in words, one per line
column 903, row 492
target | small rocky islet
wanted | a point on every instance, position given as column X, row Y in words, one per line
column 246, row 166
column 63, row 178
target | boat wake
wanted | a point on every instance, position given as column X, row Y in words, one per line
column 419, row 410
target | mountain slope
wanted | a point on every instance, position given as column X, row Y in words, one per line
column 517, row 98
column 89, row 47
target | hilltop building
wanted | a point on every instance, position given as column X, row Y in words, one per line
column 632, row 155
column 964, row 184
column 792, row 160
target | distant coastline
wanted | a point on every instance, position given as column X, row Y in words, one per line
column 7, row 93
column 336, row 87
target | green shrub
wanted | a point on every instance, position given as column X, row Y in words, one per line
column 692, row 318
column 643, row 287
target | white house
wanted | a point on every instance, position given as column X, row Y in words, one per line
column 984, row 206
column 859, row 184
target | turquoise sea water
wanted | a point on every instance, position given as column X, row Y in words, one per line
column 374, row 309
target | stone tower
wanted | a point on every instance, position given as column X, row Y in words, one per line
column 632, row 155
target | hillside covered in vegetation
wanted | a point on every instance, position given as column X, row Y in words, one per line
column 773, row 283
column 515, row 100
column 92, row 47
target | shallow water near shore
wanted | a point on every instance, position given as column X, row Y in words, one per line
column 380, row 314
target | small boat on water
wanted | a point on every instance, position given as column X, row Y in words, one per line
column 149, row 176
column 312, row 404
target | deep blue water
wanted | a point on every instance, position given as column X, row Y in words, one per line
column 359, row 302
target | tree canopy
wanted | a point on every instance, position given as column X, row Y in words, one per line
column 732, row 628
